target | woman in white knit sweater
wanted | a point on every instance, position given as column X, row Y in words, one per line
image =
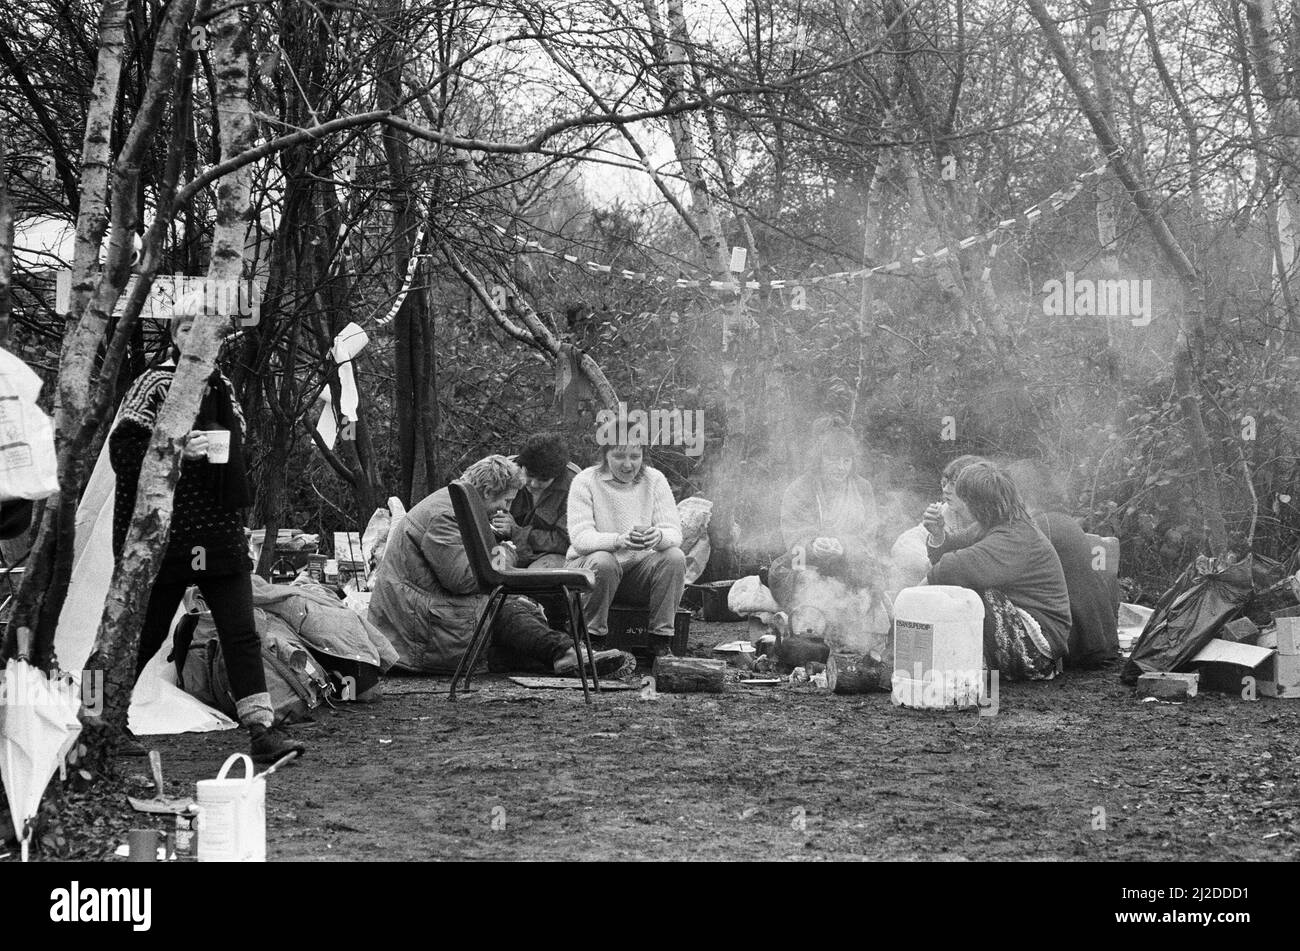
column 623, row 526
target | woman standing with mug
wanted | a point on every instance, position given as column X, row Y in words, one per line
column 623, row 526
column 206, row 546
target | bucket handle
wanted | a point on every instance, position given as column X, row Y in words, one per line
column 234, row 758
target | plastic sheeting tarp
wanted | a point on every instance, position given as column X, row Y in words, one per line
column 157, row 705
column 1188, row 616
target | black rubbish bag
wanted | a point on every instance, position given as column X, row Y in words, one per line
column 1188, row 616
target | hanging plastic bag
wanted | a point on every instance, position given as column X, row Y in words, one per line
column 1188, row 616
column 375, row 538
column 28, row 466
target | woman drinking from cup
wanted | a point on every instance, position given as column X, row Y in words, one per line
column 1011, row 565
column 206, row 546
column 623, row 526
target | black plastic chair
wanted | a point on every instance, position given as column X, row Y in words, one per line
column 477, row 536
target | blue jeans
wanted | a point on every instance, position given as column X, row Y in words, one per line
column 656, row 579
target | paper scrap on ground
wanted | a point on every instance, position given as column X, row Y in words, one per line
column 567, row 683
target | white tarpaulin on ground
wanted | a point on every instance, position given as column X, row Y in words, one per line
column 158, row 705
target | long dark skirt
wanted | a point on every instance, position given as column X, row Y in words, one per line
column 1014, row 644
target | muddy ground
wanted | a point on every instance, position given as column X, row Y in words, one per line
column 1073, row 769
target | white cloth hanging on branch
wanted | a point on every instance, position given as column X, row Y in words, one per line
column 349, row 342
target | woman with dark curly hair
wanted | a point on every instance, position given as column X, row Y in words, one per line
column 1011, row 565
column 538, row 519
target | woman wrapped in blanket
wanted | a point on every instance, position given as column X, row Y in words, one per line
column 1011, row 565
column 623, row 526
column 828, row 523
column 206, row 546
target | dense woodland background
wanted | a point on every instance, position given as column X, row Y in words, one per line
column 821, row 135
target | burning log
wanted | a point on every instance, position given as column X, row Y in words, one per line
column 688, row 675
column 858, row 673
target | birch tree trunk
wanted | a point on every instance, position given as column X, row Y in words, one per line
column 1190, row 319
column 670, row 55
column 6, row 239
column 119, row 629
column 1109, row 189
column 51, row 558
column 669, row 48
column 1267, row 57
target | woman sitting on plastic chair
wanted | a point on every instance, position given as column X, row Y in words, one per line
column 623, row 526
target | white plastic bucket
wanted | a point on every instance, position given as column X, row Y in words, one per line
column 938, row 647
column 232, row 816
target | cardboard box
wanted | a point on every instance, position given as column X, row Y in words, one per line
column 1282, row 677
column 1240, row 631
column 1224, row 665
column 1164, row 685
column 1288, row 635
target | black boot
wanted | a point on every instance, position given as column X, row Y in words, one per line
column 660, row 646
column 269, row 744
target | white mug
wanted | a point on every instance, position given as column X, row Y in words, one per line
column 218, row 445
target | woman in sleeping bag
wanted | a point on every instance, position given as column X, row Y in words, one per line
column 830, row 576
column 206, row 546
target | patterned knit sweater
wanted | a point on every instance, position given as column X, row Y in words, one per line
column 200, row 525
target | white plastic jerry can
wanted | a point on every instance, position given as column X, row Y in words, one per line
column 938, row 647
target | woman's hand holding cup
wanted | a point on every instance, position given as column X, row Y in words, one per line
column 196, row 445
column 638, row 538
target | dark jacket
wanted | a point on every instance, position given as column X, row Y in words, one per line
column 1094, row 590
column 424, row 597
column 1018, row 560
column 545, row 520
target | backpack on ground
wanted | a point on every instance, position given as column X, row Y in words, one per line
column 296, row 681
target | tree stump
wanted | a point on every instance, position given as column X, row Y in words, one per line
column 857, row 673
column 688, row 675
